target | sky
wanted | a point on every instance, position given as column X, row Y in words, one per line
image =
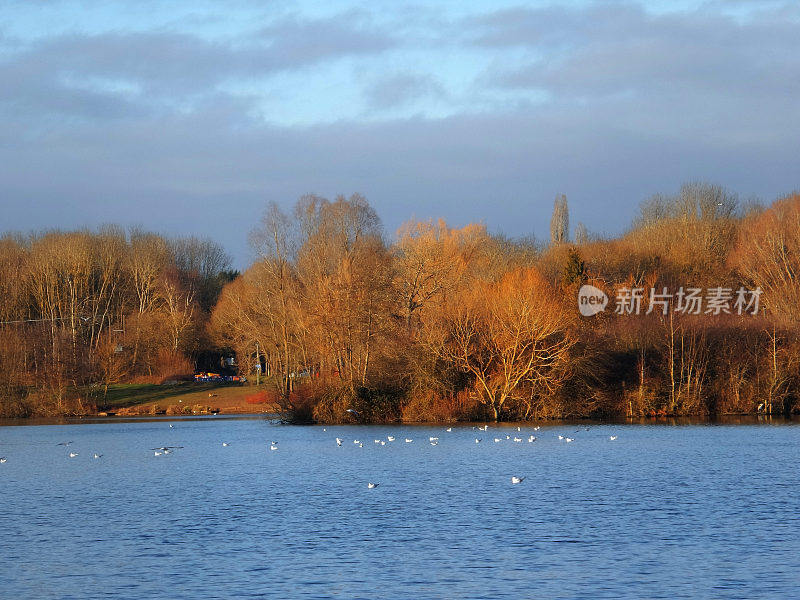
column 189, row 117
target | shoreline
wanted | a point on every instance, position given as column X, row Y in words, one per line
column 190, row 400
column 719, row 420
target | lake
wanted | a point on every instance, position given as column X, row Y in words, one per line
column 690, row 511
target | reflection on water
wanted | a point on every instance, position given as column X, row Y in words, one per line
column 691, row 511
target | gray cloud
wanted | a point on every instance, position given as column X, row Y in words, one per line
column 118, row 74
column 616, row 50
column 135, row 127
column 212, row 171
column 297, row 41
column 403, row 88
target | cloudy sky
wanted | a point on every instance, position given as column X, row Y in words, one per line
column 189, row 117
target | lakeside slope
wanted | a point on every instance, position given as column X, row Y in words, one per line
column 184, row 399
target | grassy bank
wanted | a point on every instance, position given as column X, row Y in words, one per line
column 183, row 398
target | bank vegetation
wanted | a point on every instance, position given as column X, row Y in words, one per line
column 438, row 323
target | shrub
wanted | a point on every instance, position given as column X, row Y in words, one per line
column 437, row 407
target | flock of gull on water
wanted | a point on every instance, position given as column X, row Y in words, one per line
column 432, row 440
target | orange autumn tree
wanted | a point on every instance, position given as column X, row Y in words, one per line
column 431, row 260
column 768, row 254
column 513, row 336
column 346, row 272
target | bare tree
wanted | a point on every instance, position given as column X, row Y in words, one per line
column 559, row 222
column 346, row 273
column 275, row 276
column 201, row 264
column 768, row 254
column 581, row 234
column 431, row 260
column 509, row 335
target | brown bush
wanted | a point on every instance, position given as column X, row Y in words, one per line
column 435, row 407
column 172, row 365
column 331, row 404
column 302, row 403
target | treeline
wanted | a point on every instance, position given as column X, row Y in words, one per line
column 439, row 323
column 447, row 323
column 82, row 310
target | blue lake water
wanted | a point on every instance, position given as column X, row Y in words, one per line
column 661, row 512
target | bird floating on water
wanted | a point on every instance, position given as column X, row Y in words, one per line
column 409, row 440
column 371, row 485
column 477, row 440
column 517, row 440
column 390, row 438
column 515, row 480
column 356, row 442
column 338, row 442
column 561, row 437
column 157, row 453
column 531, row 439
column 433, row 439
column 3, row 459
column 449, row 429
column 96, row 455
column 496, row 440
column 434, row 443
column 73, row 454
column 63, row 443
column 569, row 439
column 612, row 438
column 225, row 444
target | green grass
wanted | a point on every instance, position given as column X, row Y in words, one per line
column 122, row 395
